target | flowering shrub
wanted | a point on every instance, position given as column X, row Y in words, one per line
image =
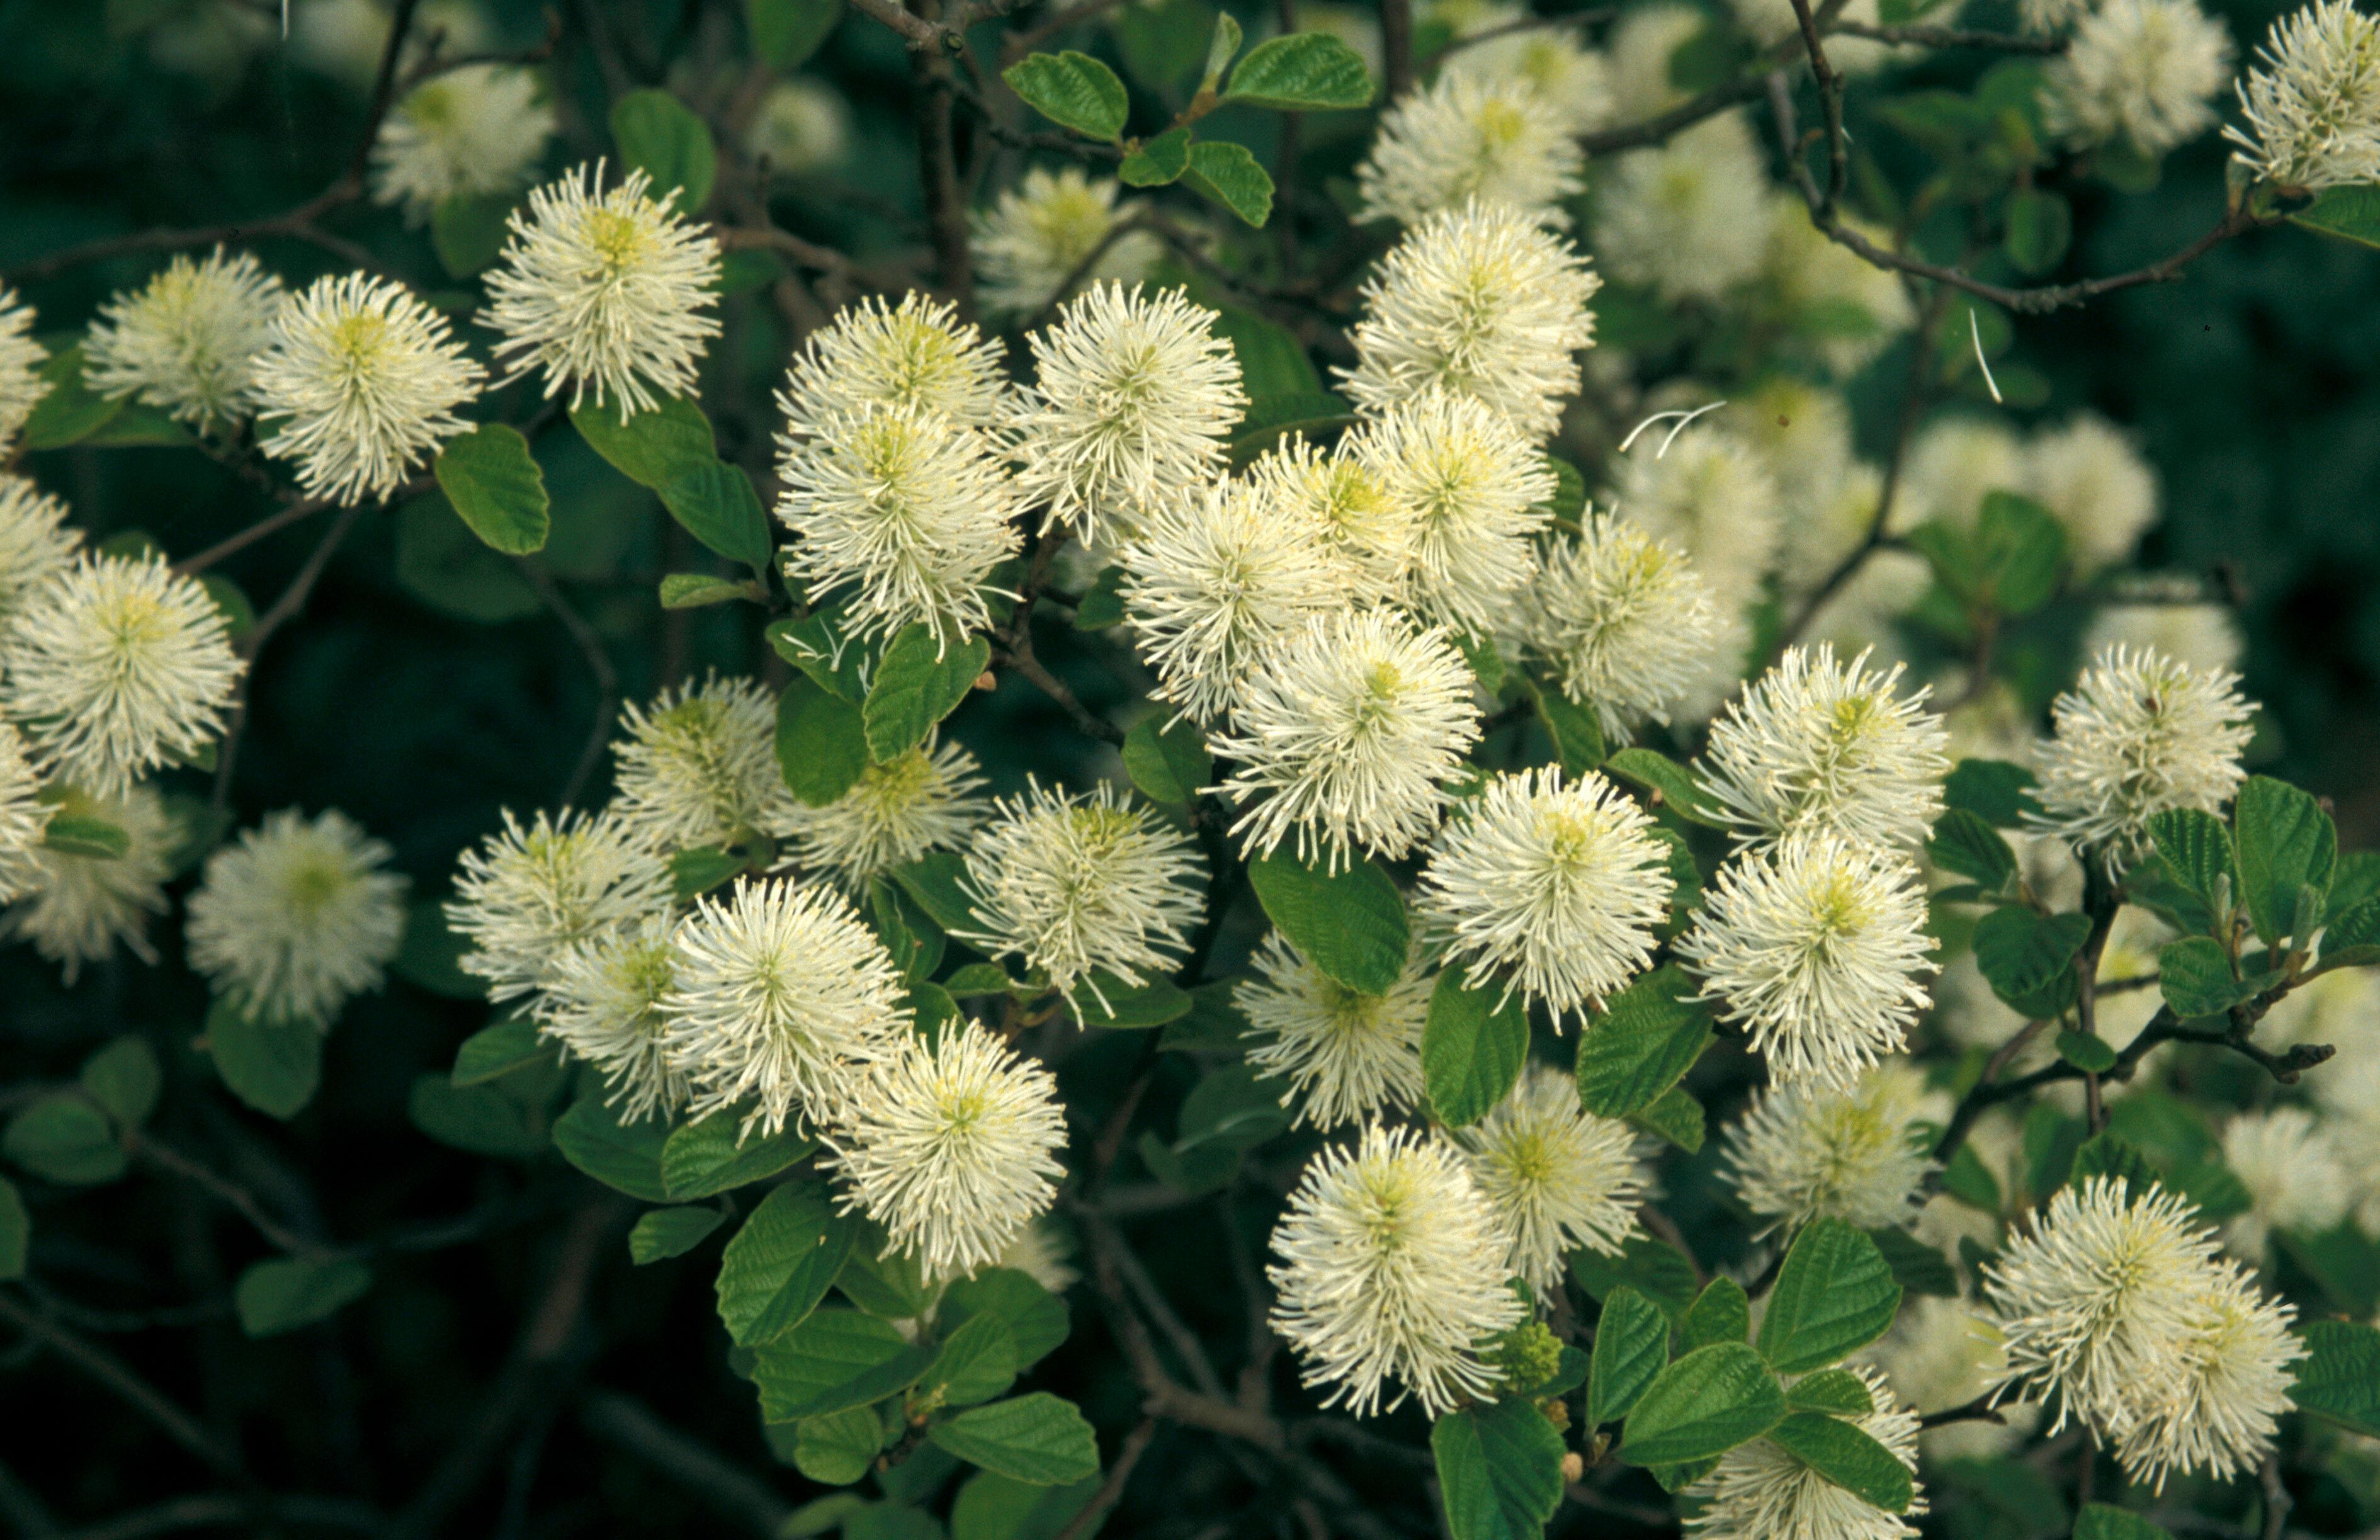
column 1359, row 783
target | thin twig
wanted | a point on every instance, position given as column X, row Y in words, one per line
column 1396, row 48
column 1527, row 24
column 1954, row 37
column 703, row 1470
column 112, row 1372
column 271, row 524
column 1017, row 44
column 227, row 1510
column 145, row 1146
column 1087, row 1517
column 599, row 663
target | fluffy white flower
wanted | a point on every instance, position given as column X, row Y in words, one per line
column 698, row 765
column 1132, row 399
column 914, row 354
column 1481, row 302
column 1808, row 275
column 1802, row 432
column 1347, row 1056
column 36, row 543
column 187, row 341
column 952, row 1148
column 1627, row 623
column 1212, row 578
column 1816, row 744
column 1817, row 946
column 2141, row 70
column 1073, row 884
column 780, row 996
column 1855, row 1153
column 906, row 509
column 1772, row 21
column 76, row 908
column 1556, row 887
column 1953, row 463
column 800, row 126
column 2093, row 478
column 1031, row 242
column 1688, row 219
column 1351, row 731
column 2048, row 15
column 479, row 130
column 1713, row 498
column 1863, row 615
column 343, row 38
column 1762, row 1491
column 2203, row 636
column 22, row 385
column 1366, row 529
column 1479, row 492
column 24, row 819
column 604, row 292
column 2219, row 1410
column 1568, row 77
column 2139, row 734
column 364, row 379
column 1392, row 1270
column 895, row 812
column 2296, row 1176
column 1641, row 44
column 1556, row 1176
column 527, row 893
column 117, row 666
column 297, row 916
column 1497, row 141
column 2313, row 103
column 601, row 1001
column 1039, row 1252
column 1941, row 1355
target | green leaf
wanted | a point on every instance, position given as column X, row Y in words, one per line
column 66, row 1139
column 1849, row 1458
column 1837, row 1392
column 1101, row 608
column 918, row 684
column 2196, row 849
column 134, row 426
column 1632, row 1346
column 426, row 958
column 821, row 743
column 1230, row 174
column 662, row 137
column 831, row 661
column 776, row 1269
column 1670, row 784
column 2107, row 1155
column 2092, row 1055
column 492, row 482
column 441, row 563
column 2099, row 1522
column 1158, row 160
column 2029, row 959
column 467, row 229
column 1499, row 1470
column 1578, row 737
column 2020, row 550
column 1269, row 418
column 652, row 449
column 835, row 1359
column 1163, row 43
column 993, row 1507
column 93, row 838
column 881, row 1281
column 123, row 1077
column 1916, row 1267
column 15, row 1232
column 1472, row 1047
column 1703, row 1404
column 2347, row 212
column 68, row 411
column 1675, row 1117
column 479, row 1118
column 711, row 1156
column 715, row 502
column 287, row 1293
column 977, row 1362
column 1647, row 1037
column 2286, row 842
column 1301, row 72
column 931, row 881
column 696, row 590
column 2339, row 1377
column 2040, row 226
column 837, row 1448
column 1997, row 791
column 1166, row 760
column 1036, row 1318
column 786, row 32
column 1153, row 1004
column 1965, row 845
column 1350, row 923
column 1967, row 1179
column 2194, row 975
column 497, row 1051
column 1220, row 48
column 661, row 1233
column 696, row 870
column 272, row 1066
column 1073, row 90
column 1719, row 1314
column 627, row 1158
column 2343, row 1260
column 1273, row 363
column 1654, row 1269
column 1037, row 1439
column 1834, row 1295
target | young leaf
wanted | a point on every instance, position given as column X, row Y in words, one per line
column 976, row 1362
column 1472, row 1048
column 1158, row 160
column 1499, row 1469
column 1719, row 1314
column 494, row 1052
column 834, row 1359
column 837, row 1450
column 627, row 1158
column 661, row 136
column 1350, row 924
column 786, row 32
column 1073, row 90
column 919, row 683
column 661, row 1233
column 287, row 1292
column 1037, row 1439
column 1998, row 792
column 1837, row 1392
column 696, row 590
column 1674, row 1116
column 272, row 1066
column 2286, row 842
column 497, row 488
column 1834, row 1295
column 1230, row 174
column 1703, row 1405
column 1849, row 1458
column 124, row 1078
column 83, row 835
column 2194, row 975
column 2196, row 849
column 1036, row 1318
column 1655, row 1268
column 1647, row 1037
column 821, row 743
column 1166, row 760
column 2098, row 1520
column 780, row 1266
column 1300, row 72
column 2339, row 1377
column 654, row 448
column 700, row 1160
column 715, row 502
column 1632, row 1346
column 1964, row 843
column 66, row 1139
column 2028, row 959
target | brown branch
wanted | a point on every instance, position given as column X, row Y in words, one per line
column 1685, row 115
column 1830, row 101
column 1952, row 37
column 1396, row 49
column 145, row 1146
column 112, row 1372
column 1980, row 1409
column 1017, row 44
column 1087, row 1517
column 1527, row 24
column 919, row 33
column 703, row 1470
column 938, row 164
column 271, row 524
